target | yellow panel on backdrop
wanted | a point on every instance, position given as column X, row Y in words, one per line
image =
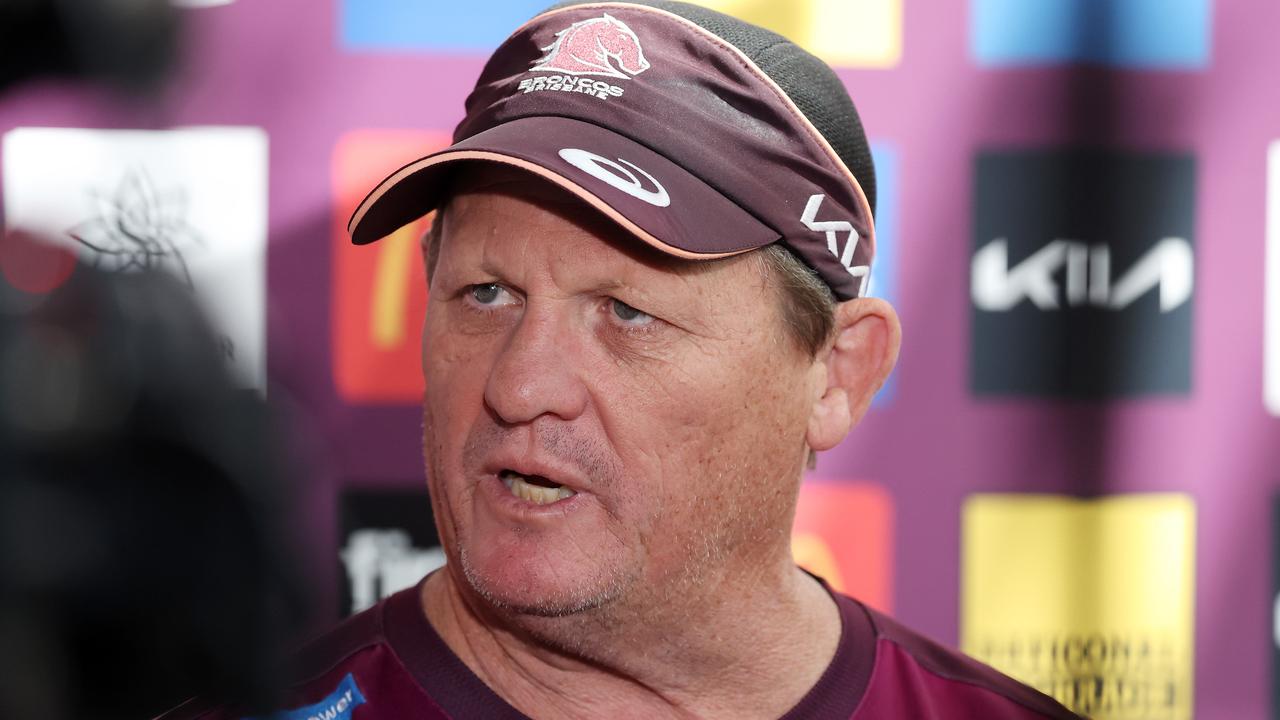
column 857, row 33
column 1091, row 601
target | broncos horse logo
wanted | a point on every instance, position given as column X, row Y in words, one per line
column 585, row 48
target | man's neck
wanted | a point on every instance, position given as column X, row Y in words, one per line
column 720, row 660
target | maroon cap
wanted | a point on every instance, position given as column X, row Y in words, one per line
column 663, row 126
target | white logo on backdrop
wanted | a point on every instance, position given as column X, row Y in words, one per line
column 997, row 287
column 138, row 227
column 382, row 562
column 832, row 229
column 192, row 202
column 595, row 166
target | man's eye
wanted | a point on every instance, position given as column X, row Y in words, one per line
column 629, row 315
column 487, row 293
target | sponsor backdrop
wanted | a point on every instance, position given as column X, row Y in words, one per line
column 1071, row 474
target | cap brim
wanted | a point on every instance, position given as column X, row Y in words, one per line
column 663, row 205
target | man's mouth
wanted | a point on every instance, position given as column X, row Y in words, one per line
column 534, row 488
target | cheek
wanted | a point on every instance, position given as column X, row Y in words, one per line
column 455, row 370
column 710, row 425
column 713, row 452
column 454, row 366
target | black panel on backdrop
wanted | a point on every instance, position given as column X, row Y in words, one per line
column 388, row 542
column 1082, row 273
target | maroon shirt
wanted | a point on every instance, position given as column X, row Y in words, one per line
column 388, row 663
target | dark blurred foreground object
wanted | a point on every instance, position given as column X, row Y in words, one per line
column 141, row 560
column 128, row 43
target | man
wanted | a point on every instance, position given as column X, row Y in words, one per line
column 648, row 310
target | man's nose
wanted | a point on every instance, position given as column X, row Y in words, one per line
column 535, row 372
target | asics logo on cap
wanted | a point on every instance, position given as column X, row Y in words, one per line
column 587, row 47
column 617, row 176
column 832, row 228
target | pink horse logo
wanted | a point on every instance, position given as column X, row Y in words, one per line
column 585, row 48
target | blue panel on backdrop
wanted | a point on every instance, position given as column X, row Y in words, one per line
column 884, row 269
column 422, row 25
column 1128, row 33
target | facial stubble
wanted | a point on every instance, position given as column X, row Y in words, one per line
column 730, row 523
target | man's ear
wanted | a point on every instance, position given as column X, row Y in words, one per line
column 858, row 361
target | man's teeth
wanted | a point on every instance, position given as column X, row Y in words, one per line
column 535, row 494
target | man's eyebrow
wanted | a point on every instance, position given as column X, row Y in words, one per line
column 608, row 285
column 647, row 289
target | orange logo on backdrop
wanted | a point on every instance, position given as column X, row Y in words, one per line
column 380, row 290
column 844, row 533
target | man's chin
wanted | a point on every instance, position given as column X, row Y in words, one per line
column 525, row 593
column 545, row 607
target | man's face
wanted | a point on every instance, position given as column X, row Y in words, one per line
column 602, row 424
